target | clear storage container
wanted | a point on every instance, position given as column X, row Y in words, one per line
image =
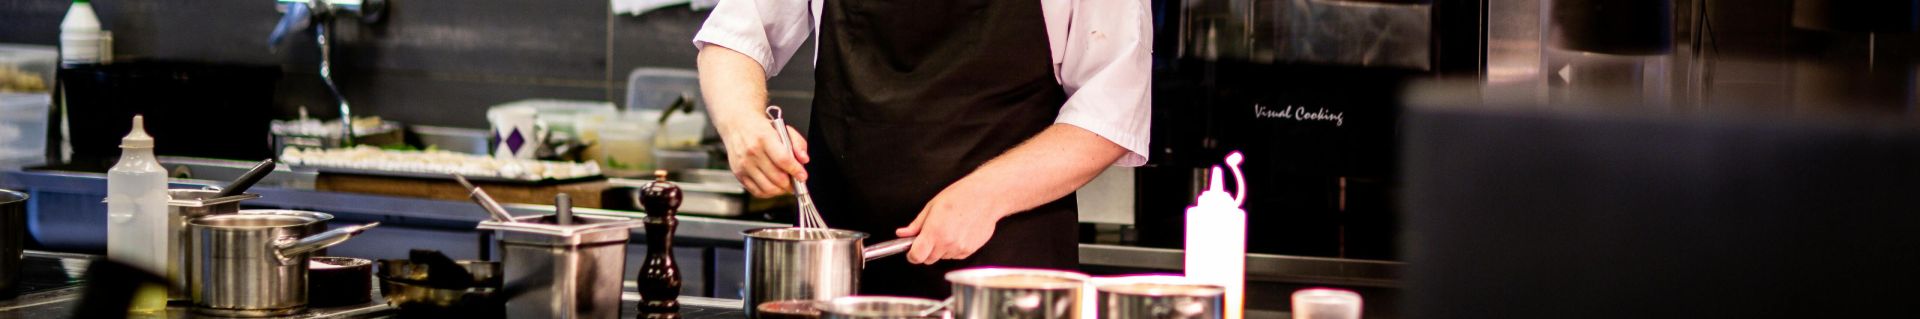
column 23, row 129
column 27, row 68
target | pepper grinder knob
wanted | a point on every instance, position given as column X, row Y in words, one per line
column 660, row 198
column 659, row 278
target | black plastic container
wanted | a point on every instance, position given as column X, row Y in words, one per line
column 13, row 235
column 1620, row 27
column 191, row 109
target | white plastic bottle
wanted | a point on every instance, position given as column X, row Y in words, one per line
column 81, row 40
column 1217, row 238
column 137, row 210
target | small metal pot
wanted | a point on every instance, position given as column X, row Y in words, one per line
column 13, row 235
column 789, row 263
column 255, row 265
column 1158, row 297
column 339, row 281
column 184, row 205
column 1003, row 293
column 881, row 307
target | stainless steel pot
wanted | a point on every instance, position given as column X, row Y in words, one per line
column 1010, row 293
column 562, row 271
column 13, row 235
column 789, row 263
column 1158, row 297
column 184, row 205
column 881, row 307
column 255, row 265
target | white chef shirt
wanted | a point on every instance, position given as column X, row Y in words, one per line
column 1102, row 56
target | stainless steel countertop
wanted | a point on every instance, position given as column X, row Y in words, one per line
column 60, row 302
column 293, row 189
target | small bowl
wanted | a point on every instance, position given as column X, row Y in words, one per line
column 789, row 309
column 339, row 281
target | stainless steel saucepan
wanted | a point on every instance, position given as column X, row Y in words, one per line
column 1157, row 297
column 1003, row 293
column 881, row 307
column 792, row 263
column 255, row 265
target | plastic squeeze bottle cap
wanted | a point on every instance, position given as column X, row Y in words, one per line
column 1216, row 194
column 137, row 137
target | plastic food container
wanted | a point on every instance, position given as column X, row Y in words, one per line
column 625, row 144
column 23, row 129
column 26, row 75
column 27, row 68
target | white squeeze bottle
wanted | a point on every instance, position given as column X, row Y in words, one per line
column 137, row 211
column 1217, row 238
column 81, row 40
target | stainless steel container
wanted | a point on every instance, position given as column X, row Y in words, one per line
column 1010, row 293
column 1158, row 297
column 881, row 307
column 184, row 205
column 786, row 263
column 13, row 235
column 255, row 265
column 562, row 271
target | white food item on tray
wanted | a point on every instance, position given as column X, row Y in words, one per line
column 438, row 162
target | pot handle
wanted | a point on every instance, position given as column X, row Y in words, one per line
column 887, row 248
column 286, row 248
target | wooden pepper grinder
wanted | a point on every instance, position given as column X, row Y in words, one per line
column 659, row 277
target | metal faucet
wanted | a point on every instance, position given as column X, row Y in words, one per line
column 297, row 15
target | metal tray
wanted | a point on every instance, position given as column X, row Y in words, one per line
column 438, row 176
column 706, row 192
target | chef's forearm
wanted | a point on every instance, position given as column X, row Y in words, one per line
column 1044, row 168
column 735, row 87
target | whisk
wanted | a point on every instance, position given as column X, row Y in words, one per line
column 809, row 216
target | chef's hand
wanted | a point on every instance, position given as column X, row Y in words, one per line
column 952, row 226
column 760, row 161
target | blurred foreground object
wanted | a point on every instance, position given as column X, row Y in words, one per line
column 1521, row 211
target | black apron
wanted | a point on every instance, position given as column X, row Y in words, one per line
column 912, row 95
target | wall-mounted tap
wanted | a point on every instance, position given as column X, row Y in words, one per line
column 298, row 15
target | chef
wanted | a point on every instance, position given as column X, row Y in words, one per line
column 967, row 123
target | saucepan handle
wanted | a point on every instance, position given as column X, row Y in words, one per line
column 287, row 249
column 887, row 248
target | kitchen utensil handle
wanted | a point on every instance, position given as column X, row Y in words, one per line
column 320, row 241
column 247, row 180
column 779, row 122
column 486, row 202
column 887, row 248
column 562, row 209
column 780, row 127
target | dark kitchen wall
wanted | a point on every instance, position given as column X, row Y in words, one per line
column 434, row 62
